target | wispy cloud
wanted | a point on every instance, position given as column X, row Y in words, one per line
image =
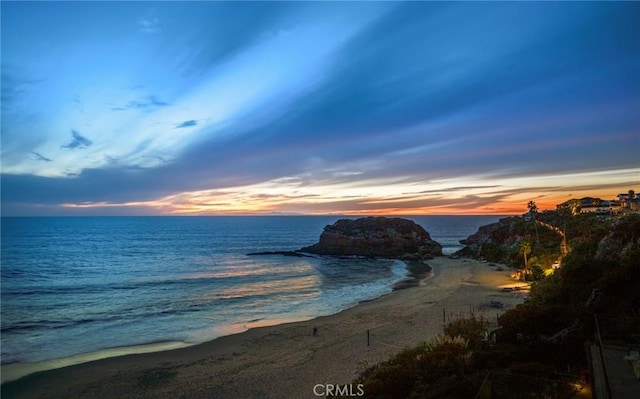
column 78, row 103
column 189, row 123
column 41, row 157
column 149, row 22
column 449, row 189
column 77, row 141
column 147, row 103
column 15, row 83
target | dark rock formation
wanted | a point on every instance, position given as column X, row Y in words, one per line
column 378, row 237
column 485, row 233
column 501, row 242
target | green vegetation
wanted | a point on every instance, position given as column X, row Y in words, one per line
column 509, row 239
column 529, row 244
column 437, row 368
column 540, row 341
column 525, row 249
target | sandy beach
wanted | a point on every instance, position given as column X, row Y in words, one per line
column 287, row 361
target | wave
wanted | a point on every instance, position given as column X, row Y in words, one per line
column 219, row 279
column 63, row 294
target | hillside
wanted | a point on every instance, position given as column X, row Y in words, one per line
column 539, row 347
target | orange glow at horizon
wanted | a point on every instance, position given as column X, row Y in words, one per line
column 460, row 196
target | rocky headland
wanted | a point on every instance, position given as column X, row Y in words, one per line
column 504, row 242
column 500, row 230
column 376, row 237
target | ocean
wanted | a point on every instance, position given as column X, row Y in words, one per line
column 78, row 285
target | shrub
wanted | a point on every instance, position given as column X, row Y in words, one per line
column 471, row 329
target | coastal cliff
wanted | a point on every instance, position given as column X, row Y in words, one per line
column 505, row 241
column 378, row 237
column 485, row 233
column 595, row 288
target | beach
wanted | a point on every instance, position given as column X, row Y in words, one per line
column 287, row 360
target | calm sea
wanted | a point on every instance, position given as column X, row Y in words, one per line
column 79, row 285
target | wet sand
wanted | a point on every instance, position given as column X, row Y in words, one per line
column 287, row 361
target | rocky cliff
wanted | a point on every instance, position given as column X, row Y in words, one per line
column 502, row 242
column 376, row 237
column 501, row 230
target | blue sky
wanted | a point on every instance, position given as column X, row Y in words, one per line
column 303, row 107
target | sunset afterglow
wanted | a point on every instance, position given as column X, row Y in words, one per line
column 150, row 108
column 447, row 197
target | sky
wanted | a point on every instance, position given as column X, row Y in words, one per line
column 358, row 108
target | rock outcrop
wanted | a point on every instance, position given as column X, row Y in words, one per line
column 378, row 237
column 501, row 242
column 485, row 233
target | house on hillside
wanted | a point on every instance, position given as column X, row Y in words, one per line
column 625, row 196
column 594, row 205
column 626, row 203
column 633, row 205
column 615, row 207
column 629, row 202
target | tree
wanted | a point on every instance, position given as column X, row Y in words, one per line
column 525, row 249
column 533, row 210
column 537, row 273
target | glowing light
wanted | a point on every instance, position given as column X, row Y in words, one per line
column 499, row 196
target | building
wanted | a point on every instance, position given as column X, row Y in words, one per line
column 629, row 202
column 625, row 203
column 615, row 207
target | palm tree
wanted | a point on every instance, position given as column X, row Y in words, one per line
column 533, row 210
column 525, row 249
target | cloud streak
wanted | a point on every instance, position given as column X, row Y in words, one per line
column 189, row 123
column 148, row 103
column 77, row 141
column 41, row 157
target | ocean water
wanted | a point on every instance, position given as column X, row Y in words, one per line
column 73, row 286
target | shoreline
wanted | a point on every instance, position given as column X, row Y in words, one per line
column 286, row 360
column 14, row 371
